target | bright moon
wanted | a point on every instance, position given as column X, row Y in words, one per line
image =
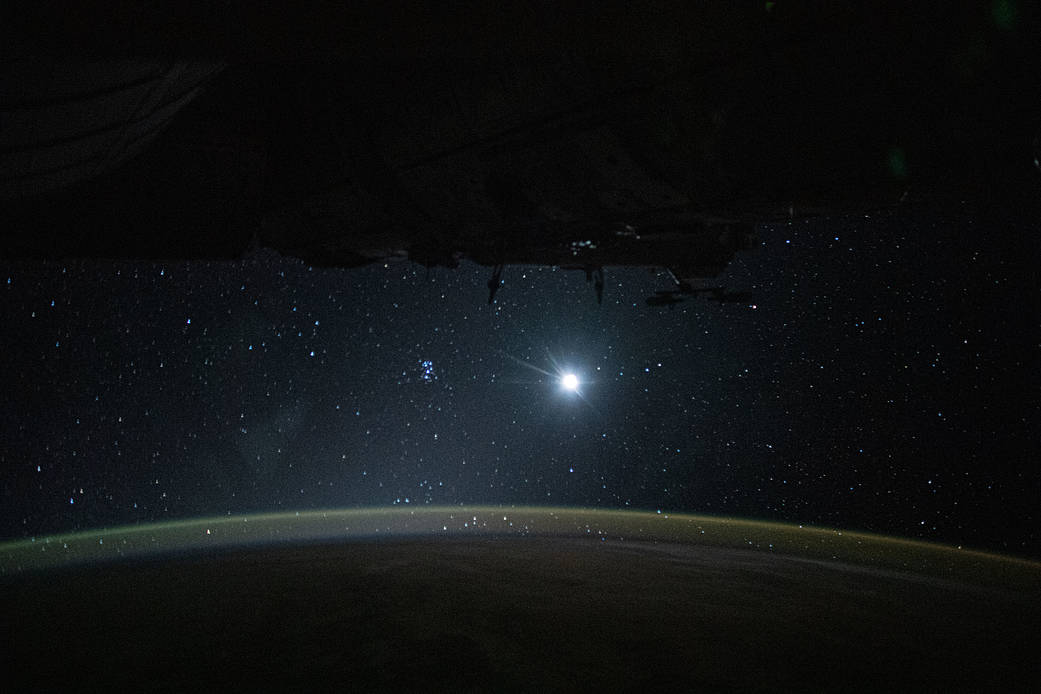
column 570, row 381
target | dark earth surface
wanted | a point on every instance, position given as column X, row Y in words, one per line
column 545, row 614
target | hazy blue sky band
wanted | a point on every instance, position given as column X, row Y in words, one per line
column 214, row 534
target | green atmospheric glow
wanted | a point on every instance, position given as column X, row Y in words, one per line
column 1005, row 14
column 897, row 161
column 208, row 535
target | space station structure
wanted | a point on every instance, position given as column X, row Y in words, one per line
column 581, row 139
column 530, row 165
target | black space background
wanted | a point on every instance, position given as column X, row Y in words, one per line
column 886, row 379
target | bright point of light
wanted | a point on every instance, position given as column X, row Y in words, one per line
column 569, row 381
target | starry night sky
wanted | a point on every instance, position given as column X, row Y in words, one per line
column 882, row 377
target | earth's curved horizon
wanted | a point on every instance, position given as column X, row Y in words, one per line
column 534, row 599
column 213, row 533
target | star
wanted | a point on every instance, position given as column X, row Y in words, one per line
column 569, row 381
